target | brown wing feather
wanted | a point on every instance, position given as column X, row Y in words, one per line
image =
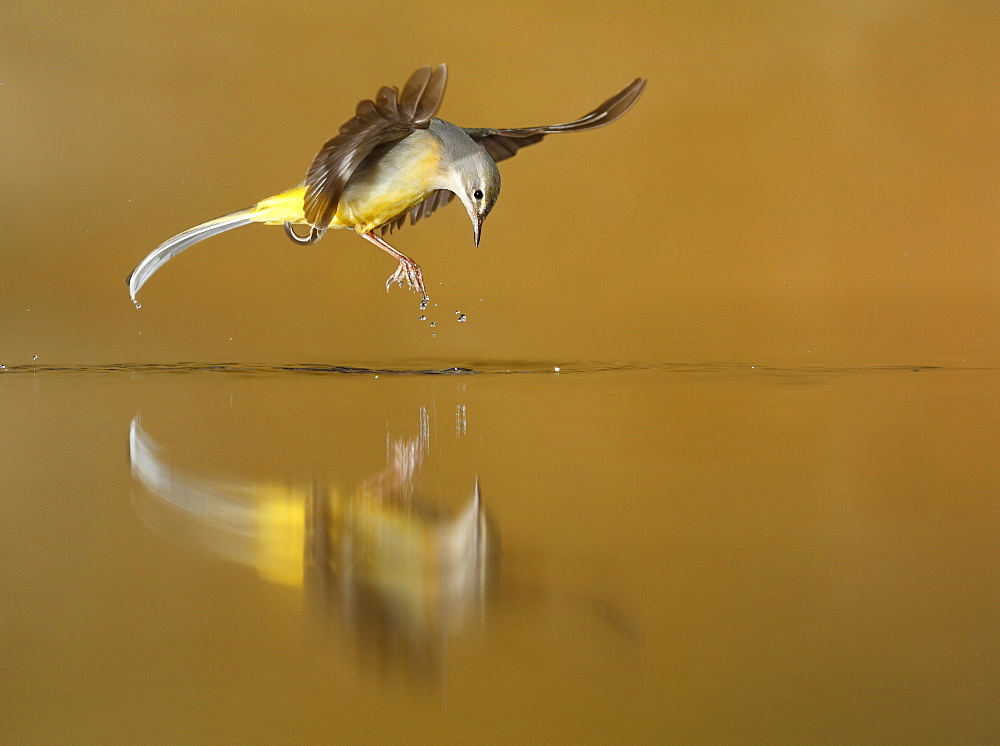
column 503, row 143
column 392, row 116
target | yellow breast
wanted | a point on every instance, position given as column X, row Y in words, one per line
column 392, row 184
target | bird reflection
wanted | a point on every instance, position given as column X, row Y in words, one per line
column 398, row 578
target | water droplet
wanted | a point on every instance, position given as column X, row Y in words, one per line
column 423, row 303
column 556, row 369
column 461, row 318
column 434, row 323
column 423, row 318
column 34, row 357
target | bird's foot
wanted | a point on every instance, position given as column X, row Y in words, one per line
column 408, row 270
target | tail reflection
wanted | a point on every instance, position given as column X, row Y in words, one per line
column 398, row 577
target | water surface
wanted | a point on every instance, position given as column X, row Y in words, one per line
column 717, row 553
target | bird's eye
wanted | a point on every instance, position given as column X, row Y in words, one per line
column 478, row 194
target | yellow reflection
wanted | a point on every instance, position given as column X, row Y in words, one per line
column 280, row 535
column 397, row 575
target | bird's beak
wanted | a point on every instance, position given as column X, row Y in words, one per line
column 477, row 227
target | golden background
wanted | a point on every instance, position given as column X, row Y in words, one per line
column 801, row 184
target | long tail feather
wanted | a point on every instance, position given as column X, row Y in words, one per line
column 174, row 246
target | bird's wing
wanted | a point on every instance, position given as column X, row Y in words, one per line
column 503, row 143
column 390, row 117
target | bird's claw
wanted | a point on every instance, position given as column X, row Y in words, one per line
column 409, row 271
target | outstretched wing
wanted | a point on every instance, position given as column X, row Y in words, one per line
column 503, row 143
column 390, row 117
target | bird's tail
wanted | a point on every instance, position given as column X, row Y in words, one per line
column 174, row 246
column 286, row 206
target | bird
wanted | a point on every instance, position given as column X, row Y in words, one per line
column 394, row 159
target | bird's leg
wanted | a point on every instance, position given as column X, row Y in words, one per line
column 315, row 234
column 407, row 270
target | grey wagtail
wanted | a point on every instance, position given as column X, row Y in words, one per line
column 394, row 158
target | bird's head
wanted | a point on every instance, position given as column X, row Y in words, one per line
column 476, row 181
